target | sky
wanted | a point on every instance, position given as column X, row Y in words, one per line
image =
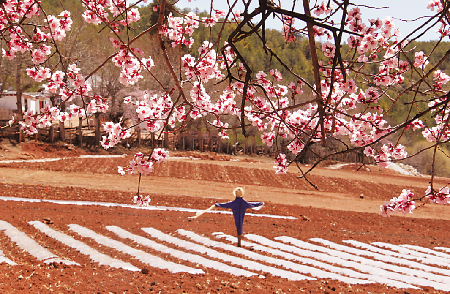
column 398, row 9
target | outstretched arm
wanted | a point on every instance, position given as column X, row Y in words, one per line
column 202, row 212
column 256, row 205
column 230, row 204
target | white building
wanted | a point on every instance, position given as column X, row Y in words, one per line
column 34, row 101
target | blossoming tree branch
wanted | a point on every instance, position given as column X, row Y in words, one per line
column 361, row 71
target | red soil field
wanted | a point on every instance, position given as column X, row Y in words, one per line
column 345, row 206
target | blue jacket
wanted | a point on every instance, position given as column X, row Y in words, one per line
column 238, row 207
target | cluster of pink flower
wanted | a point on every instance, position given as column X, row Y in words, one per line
column 131, row 66
column 440, row 197
column 141, row 200
column 31, row 122
column 154, row 110
column 421, row 60
column 59, row 27
column 206, row 68
column 221, row 126
column 440, row 79
column 115, row 134
column 404, row 203
column 140, row 165
column 288, row 30
column 179, row 28
column 97, row 104
column 19, row 41
column 97, row 12
column 386, row 152
column 211, row 21
column 281, row 164
column 326, row 7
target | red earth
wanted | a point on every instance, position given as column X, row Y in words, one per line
column 345, row 206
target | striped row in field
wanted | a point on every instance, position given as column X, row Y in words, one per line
column 352, row 262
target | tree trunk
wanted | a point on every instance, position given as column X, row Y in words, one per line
column 97, row 129
column 80, row 131
column 51, row 133
column 62, row 129
column 19, row 88
column 315, row 63
column 166, row 137
column 138, row 133
column 153, row 140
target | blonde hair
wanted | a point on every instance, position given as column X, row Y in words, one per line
column 238, row 192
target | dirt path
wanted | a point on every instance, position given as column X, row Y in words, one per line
column 338, row 189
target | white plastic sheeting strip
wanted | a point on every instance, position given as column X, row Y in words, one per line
column 3, row 259
column 96, row 256
column 18, row 199
column 443, row 249
column 60, row 158
column 31, row 160
column 102, row 156
column 398, row 273
column 180, row 254
column 425, row 270
column 353, row 277
column 251, row 255
column 427, row 250
column 32, row 247
column 372, row 273
column 225, row 257
column 424, row 258
column 159, row 208
column 403, row 257
column 140, row 255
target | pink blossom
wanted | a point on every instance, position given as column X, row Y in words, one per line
column 328, row 49
column 281, row 164
column 276, row 74
column 325, row 8
column 296, row 146
column 159, row 155
column 440, row 197
column 403, row 203
column 420, row 60
column 267, row 138
column 141, row 200
column 435, row 4
column 288, row 31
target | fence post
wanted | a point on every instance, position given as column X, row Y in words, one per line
column 210, row 142
column 200, row 141
column 80, row 130
column 97, row 129
column 138, row 133
column 219, row 143
column 51, row 133
column 62, row 129
column 174, row 142
column 183, row 138
column 166, row 137
column 246, row 146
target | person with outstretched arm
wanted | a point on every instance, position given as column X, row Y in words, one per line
column 238, row 207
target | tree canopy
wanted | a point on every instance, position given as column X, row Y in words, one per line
column 363, row 85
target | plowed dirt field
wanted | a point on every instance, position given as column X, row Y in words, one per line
column 329, row 220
